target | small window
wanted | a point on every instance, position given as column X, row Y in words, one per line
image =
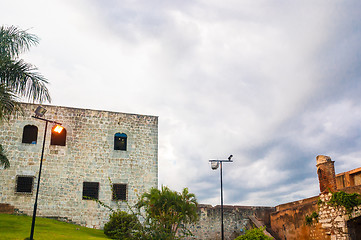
column 24, row 184
column 30, row 134
column 119, row 191
column 90, row 190
column 120, row 141
column 58, row 138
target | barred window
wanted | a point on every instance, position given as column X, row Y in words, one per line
column 90, row 190
column 120, row 141
column 24, row 184
column 30, row 134
column 119, row 191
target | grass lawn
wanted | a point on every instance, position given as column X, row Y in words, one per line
column 18, row 227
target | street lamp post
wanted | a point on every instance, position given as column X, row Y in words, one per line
column 214, row 165
column 39, row 112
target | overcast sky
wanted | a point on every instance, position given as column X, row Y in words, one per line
column 275, row 83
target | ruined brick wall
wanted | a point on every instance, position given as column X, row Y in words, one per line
column 88, row 156
column 289, row 222
column 235, row 218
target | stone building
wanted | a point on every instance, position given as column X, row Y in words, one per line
column 105, row 155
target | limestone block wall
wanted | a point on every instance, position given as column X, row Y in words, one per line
column 88, row 156
column 334, row 220
column 235, row 218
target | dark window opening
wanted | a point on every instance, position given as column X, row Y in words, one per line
column 24, row 184
column 120, row 141
column 119, row 191
column 30, row 134
column 58, row 138
column 90, row 190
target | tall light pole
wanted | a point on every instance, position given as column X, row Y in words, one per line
column 215, row 164
column 39, row 112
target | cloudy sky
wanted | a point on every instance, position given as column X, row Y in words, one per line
column 275, row 83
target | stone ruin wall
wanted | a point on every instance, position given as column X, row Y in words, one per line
column 236, row 221
column 89, row 155
column 289, row 222
column 334, row 220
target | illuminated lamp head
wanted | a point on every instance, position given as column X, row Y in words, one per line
column 58, row 129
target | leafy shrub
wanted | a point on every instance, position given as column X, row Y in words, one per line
column 122, row 225
column 254, row 234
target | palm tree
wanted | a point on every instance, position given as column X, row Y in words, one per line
column 17, row 78
column 168, row 212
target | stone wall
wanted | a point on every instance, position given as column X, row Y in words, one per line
column 334, row 219
column 235, row 218
column 88, row 156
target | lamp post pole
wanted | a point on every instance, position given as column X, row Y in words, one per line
column 41, row 165
column 215, row 165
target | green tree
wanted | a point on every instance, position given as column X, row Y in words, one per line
column 254, row 234
column 167, row 213
column 18, row 78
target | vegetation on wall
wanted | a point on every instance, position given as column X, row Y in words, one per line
column 348, row 200
column 309, row 219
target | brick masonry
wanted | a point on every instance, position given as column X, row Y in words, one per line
column 89, row 156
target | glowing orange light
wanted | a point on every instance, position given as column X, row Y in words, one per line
column 58, row 129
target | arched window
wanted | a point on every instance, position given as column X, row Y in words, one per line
column 58, row 138
column 120, row 141
column 30, row 134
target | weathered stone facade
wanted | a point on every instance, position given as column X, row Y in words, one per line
column 88, row 156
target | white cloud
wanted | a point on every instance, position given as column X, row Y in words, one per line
column 274, row 84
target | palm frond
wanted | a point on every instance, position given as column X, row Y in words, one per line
column 9, row 105
column 4, row 161
column 23, row 79
column 14, row 41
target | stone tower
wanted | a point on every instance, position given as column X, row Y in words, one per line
column 326, row 173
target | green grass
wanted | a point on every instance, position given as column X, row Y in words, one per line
column 18, row 227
